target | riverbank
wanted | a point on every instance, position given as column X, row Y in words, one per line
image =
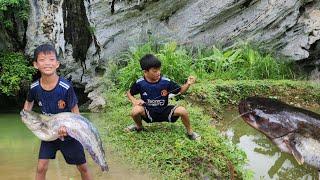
column 163, row 149
column 215, row 95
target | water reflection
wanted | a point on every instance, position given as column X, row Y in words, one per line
column 265, row 159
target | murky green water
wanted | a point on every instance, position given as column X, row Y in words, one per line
column 265, row 159
column 19, row 154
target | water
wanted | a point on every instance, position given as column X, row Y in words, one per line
column 19, row 154
column 265, row 159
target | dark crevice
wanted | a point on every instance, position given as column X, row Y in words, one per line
column 97, row 46
column 18, row 42
column 302, row 9
column 82, row 97
column 77, row 30
column 112, row 6
column 313, row 60
column 247, row 3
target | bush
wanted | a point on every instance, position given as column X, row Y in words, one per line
column 13, row 70
column 17, row 8
column 243, row 63
column 238, row 63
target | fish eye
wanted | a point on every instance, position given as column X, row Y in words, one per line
column 258, row 118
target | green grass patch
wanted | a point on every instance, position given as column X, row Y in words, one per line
column 214, row 95
column 165, row 151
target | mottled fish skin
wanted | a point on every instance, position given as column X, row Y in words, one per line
column 78, row 127
column 294, row 130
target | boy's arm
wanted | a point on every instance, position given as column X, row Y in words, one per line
column 191, row 80
column 62, row 131
column 133, row 100
column 28, row 105
column 75, row 109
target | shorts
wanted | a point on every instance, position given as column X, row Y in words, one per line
column 166, row 115
column 70, row 148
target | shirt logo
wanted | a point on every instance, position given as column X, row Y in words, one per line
column 61, row 104
column 164, row 92
column 151, row 102
column 145, row 94
column 39, row 103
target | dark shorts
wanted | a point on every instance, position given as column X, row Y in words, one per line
column 70, row 148
column 166, row 115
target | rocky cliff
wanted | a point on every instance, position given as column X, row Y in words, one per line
column 88, row 33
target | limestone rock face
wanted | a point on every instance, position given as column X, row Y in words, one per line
column 291, row 27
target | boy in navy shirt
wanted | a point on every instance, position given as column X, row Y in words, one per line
column 154, row 91
column 54, row 94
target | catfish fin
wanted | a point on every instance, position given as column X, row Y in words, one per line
column 296, row 154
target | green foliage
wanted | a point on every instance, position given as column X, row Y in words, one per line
column 129, row 74
column 17, row 8
column 13, row 70
column 239, row 63
column 242, row 63
column 175, row 63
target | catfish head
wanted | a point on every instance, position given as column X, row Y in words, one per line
column 32, row 120
column 37, row 123
column 265, row 115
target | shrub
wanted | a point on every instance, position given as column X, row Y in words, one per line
column 13, row 70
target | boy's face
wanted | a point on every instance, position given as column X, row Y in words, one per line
column 153, row 74
column 47, row 63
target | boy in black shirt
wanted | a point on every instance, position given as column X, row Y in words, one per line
column 154, row 91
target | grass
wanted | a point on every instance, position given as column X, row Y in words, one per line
column 239, row 63
column 164, row 148
column 218, row 94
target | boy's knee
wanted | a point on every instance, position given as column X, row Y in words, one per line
column 42, row 168
column 137, row 110
column 83, row 168
column 180, row 111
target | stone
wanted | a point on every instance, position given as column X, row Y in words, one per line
column 290, row 27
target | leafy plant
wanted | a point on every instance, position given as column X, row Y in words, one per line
column 238, row 63
column 13, row 70
column 243, row 63
column 13, row 8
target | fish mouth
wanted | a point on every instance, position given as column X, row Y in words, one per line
column 249, row 115
column 245, row 110
column 23, row 113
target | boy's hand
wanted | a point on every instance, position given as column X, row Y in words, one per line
column 191, row 80
column 138, row 102
column 62, row 132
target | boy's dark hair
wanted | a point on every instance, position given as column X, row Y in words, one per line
column 149, row 61
column 44, row 48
